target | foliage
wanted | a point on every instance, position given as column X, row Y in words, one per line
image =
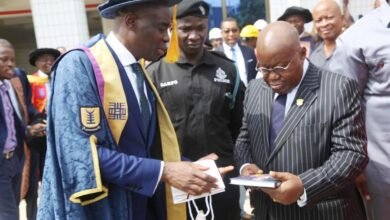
column 249, row 11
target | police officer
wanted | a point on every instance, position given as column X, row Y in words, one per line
column 203, row 95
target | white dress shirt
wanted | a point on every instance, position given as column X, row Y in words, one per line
column 126, row 59
column 240, row 61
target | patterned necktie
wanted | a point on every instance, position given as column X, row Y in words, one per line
column 144, row 104
column 234, row 57
column 278, row 108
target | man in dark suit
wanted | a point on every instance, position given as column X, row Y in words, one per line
column 244, row 57
column 14, row 116
column 304, row 126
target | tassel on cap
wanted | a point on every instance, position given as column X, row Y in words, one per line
column 173, row 52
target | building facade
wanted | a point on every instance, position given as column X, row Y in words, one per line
column 30, row 24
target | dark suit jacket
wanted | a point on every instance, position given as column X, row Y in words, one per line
column 19, row 126
column 250, row 60
column 323, row 141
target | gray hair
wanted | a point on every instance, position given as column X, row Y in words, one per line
column 5, row 43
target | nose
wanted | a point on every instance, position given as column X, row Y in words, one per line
column 11, row 63
column 193, row 35
column 166, row 36
column 322, row 23
column 50, row 62
column 273, row 76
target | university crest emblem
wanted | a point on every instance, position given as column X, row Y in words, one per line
column 90, row 118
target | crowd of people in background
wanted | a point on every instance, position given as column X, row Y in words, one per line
column 101, row 135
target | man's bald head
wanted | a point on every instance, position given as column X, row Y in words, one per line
column 280, row 56
column 328, row 20
column 277, row 37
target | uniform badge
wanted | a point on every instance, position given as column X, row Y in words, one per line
column 299, row 102
column 220, row 76
column 90, row 118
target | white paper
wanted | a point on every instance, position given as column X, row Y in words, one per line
column 181, row 196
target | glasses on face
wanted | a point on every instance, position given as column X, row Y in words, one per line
column 233, row 30
column 276, row 69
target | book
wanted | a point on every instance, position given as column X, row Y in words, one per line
column 257, row 180
column 180, row 196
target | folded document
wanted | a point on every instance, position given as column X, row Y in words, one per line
column 181, row 196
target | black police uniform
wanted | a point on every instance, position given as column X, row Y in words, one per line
column 198, row 99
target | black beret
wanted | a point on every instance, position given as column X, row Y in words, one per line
column 196, row 8
column 35, row 54
column 294, row 10
column 109, row 9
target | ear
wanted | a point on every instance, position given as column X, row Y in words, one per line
column 130, row 20
column 302, row 52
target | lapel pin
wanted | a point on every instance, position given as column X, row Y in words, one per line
column 299, row 102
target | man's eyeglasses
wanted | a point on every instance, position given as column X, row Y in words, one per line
column 276, row 69
column 233, row 30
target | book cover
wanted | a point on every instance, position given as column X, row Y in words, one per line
column 258, row 180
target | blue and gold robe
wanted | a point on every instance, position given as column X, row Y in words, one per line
column 94, row 168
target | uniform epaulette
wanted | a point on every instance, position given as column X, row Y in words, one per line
column 221, row 55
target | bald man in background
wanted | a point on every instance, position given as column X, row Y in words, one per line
column 329, row 22
column 304, row 126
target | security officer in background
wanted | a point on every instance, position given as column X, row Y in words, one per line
column 203, row 95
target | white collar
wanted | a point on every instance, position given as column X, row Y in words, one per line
column 228, row 48
column 124, row 55
column 42, row 74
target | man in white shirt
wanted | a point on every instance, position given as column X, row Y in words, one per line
column 244, row 57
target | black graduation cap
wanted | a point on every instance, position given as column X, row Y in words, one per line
column 109, row 9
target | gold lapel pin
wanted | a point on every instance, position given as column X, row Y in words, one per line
column 299, row 102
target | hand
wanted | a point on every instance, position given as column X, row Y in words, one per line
column 251, row 169
column 222, row 170
column 361, row 184
column 289, row 191
column 37, row 130
column 188, row 177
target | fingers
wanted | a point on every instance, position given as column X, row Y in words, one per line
column 204, row 177
column 361, row 184
column 224, row 170
column 211, row 156
column 251, row 169
column 282, row 176
column 188, row 177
